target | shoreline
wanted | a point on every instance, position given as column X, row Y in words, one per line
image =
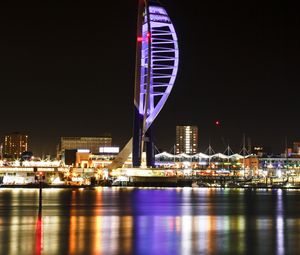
column 20, row 186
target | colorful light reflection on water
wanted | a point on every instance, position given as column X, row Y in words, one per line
column 150, row 221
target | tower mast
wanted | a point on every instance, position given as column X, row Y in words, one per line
column 149, row 72
column 137, row 119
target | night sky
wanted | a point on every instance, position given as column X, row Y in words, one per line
column 67, row 69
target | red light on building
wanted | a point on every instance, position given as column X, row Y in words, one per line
column 40, row 173
column 140, row 39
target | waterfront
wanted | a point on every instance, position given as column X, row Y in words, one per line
column 150, row 221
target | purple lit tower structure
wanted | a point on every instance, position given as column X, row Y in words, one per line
column 157, row 59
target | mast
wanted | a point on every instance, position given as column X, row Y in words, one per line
column 286, row 154
column 209, row 150
column 137, row 119
column 228, row 149
column 149, row 72
column 244, row 148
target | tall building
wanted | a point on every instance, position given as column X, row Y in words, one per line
column 186, row 139
column 15, row 144
column 87, row 143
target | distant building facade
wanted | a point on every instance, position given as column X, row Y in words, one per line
column 86, row 143
column 85, row 159
column 261, row 151
column 296, row 148
column 1, row 151
column 186, row 139
column 15, row 144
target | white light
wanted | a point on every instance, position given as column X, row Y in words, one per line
column 83, row 151
column 57, row 181
column 109, row 149
column 279, row 173
column 77, row 179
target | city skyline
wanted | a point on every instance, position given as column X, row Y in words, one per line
column 238, row 65
column 149, row 127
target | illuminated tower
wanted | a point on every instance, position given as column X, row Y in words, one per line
column 157, row 59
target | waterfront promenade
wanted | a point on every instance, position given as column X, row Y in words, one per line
column 187, row 181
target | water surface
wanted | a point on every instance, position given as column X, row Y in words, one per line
column 150, row 221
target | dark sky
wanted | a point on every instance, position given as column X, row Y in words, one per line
column 67, row 69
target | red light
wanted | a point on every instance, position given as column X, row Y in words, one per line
column 217, row 123
column 148, row 35
column 140, row 39
column 40, row 173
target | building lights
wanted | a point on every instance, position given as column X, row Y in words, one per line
column 186, row 139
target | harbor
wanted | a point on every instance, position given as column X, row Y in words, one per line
column 149, row 127
column 69, row 177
